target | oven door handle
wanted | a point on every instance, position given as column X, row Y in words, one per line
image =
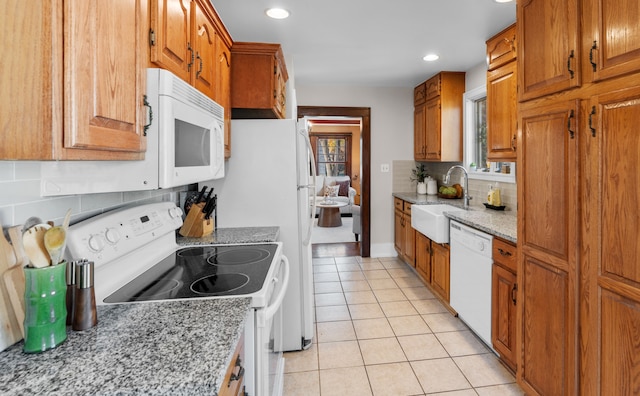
column 273, row 308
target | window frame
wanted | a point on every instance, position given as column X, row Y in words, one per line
column 324, row 135
column 469, row 99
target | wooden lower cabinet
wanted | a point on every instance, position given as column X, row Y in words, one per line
column 404, row 234
column 423, row 257
column 440, row 269
column 432, row 264
column 504, row 302
column 233, row 384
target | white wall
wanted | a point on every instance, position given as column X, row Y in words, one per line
column 391, row 139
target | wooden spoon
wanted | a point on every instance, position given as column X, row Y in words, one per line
column 33, row 241
column 54, row 241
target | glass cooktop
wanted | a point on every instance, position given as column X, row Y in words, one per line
column 201, row 271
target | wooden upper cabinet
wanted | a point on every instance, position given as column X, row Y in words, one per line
column 502, row 114
column 82, row 95
column 171, row 36
column 104, row 77
column 183, row 39
column 502, row 48
column 223, row 88
column 204, row 46
column 438, row 122
column 611, row 38
column 550, row 61
column 419, row 94
column 258, row 81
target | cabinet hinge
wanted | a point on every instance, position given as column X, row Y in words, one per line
column 152, row 37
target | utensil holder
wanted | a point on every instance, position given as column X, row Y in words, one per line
column 195, row 225
column 45, row 307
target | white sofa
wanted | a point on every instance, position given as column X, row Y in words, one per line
column 322, row 181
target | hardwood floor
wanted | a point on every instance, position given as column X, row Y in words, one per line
column 344, row 249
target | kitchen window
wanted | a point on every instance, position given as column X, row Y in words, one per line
column 475, row 141
column 333, row 154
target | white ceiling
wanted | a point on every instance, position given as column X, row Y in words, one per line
column 370, row 42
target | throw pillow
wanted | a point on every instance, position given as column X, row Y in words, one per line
column 331, row 191
column 343, row 191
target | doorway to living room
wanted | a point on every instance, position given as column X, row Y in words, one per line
column 341, row 142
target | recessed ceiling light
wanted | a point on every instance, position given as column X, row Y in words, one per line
column 503, row 1
column 431, row 57
column 277, row 13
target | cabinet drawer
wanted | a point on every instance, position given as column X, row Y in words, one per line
column 432, row 87
column 419, row 94
column 407, row 208
column 398, row 204
column 504, row 254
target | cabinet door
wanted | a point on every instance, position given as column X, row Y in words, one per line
column 105, row 55
column 548, row 46
column 31, row 34
column 423, row 257
column 610, row 312
column 398, row 239
column 419, row 145
column 547, row 223
column 502, row 89
column 503, row 312
column 409, row 249
column 171, row 27
column 432, row 130
column 223, row 89
column 501, row 48
column 204, row 45
column 612, row 37
column 279, row 90
column 440, row 269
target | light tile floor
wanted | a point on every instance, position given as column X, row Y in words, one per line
column 380, row 331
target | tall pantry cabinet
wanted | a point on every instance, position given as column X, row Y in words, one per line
column 578, row 221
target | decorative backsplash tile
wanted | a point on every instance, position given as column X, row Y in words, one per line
column 478, row 189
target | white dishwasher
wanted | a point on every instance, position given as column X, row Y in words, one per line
column 471, row 264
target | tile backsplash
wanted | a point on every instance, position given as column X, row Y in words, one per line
column 401, row 171
column 20, row 197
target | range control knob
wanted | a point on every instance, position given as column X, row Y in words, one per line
column 175, row 212
column 112, row 235
column 96, row 242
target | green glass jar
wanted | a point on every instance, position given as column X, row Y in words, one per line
column 45, row 307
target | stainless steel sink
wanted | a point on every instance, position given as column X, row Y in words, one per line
column 431, row 221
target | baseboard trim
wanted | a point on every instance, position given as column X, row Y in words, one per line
column 382, row 250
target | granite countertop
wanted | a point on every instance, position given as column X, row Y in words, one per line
column 234, row 235
column 152, row 348
column 502, row 224
column 161, row 348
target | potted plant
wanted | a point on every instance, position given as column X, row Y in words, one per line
column 419, row 174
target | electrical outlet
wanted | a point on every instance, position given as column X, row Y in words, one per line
column 384, row 168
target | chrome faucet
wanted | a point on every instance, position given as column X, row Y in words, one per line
column 466, row 197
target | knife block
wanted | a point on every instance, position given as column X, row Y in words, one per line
column 195, row 225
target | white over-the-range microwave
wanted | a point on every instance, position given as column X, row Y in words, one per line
column 185, row 144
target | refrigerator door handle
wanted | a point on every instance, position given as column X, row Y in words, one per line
column 312, row 161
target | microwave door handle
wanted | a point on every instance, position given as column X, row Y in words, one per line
column 273, row 308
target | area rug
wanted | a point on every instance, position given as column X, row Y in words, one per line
column 333, row 234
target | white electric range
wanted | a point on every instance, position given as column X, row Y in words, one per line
column 137, row 260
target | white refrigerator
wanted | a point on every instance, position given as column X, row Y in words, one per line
column 266, row 183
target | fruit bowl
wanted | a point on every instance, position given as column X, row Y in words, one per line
column 454, row 196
